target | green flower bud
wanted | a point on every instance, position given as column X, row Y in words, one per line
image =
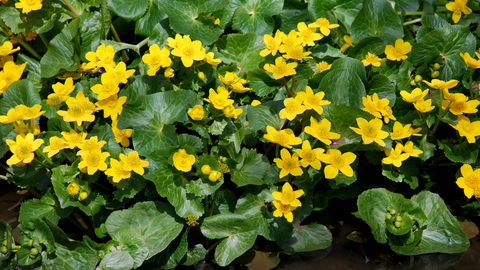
column 435, row 74
column 4, row 249
column 30, row 243
column 418, row 78
column 399, row 218
column 388, row 216
column 413, row 83
column 393, row 211
column 436, row 66
column 398, row 224
column 33, row 252
column 5, row 242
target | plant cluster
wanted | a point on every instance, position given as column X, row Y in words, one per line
column 228, row 124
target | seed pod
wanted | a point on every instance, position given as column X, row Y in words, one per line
column 436, row 66
column 4, row 250
column 398, row 224
column 435, row 74
column 388, row 216
column 393, row 211
column 5, row 242
column 399, row 218
column 33, row 252
column 418, row 78
column 30, row 243
column 413, row 83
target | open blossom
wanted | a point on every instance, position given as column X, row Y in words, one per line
column 220, row 99
column 188, row 50
column 232, row 112
column 348, row 43
column 307, row 34
column 399, row 51
column 78, row 110
column 284, row 137
column 156, row 59
column 322, row 66
column 30, row 112
column 210, row 58
column 324, row 26
column 460, row 104
column 288, row 164
column 400, row 131
column 293, row 107
column 13, row 115
column 23, row 148
column 117, row 171
column 132, row 162
column 94, row 161
column 121, row 135
column 272, row 43
column 372, row 59
column 290, row 40
column 337, row 162
column 111, row 106
column 11, row 73
column 7, row 48
column 395, row 156
column 458, row 7
column 281, row 68
column 309, row 156
column 408, row 149
column 183, row 161
column 56, row 144
column 469, row 181
column 321, row 131
column 296, row 52
column 119, row 73
column 196, row 113
column 467, row 129
column 288, row 195
column 424, row 106
column 73, row 138
column 283, row 210
column 29, row 5
column 416, row 95
column 313, row 101
column 439, row 84
column 90, row 145
column 102, row 57
column 107, row 88
column 371, row 131
column 471, row 62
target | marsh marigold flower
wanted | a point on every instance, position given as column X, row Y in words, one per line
column 416, row 95
column 284, row 137
column 313, row 101
column 210, row 58
column 460, row 104
column 119, row 73
column 183, row 161
column 283, row 210
column 232, row 112
column 281, row 68
column 13, row 115
column 103, row 56
column 372, row 59
column 322, row 66
column 439, row 84
column 156, row 59
column 469, row 181
column 272, row 43
column 296, row 52
column 61, row 92
column 73, row 138
column 290, row 40
column 7, row 48
column 288, row 195
column 424, row 106
column 395, row 156
column 307, row 34
column 471, row 62
column 117, row 171
column 94, row 161
column 348, row 43
column 196, row 113
column 90, row 145
column 288, row 164
column 73, row 189
column 371, row 131
column 77, row 112
column 458, row 7
column 408, row 149
column 121, row 135
column 107, row 88
column 23, row 148
column 11, row 73
column 29, row 113
column 188, row 50
column 132, row 162
column 309, row 156
column 321, row 131
column 467, row 129
column 399, row 51
column 293, row 107
column 337, row 162
column 111, row 106
column 29, row 5
column 229, row 78
column 56, row 144
column 400, row 131
column 214, row 176
column 220, row 99
column 324, row 26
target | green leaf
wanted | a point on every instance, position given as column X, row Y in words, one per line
column 384, row 88
column 238, row 231
column 307, row 238
column 217, row 127
column 39, row 232
column 145, row 25
column 32, row 68
column 189, row 17
column 130, row 187
column 462, row 153
column 117, row 260
column 264, row 115
column 347, row 11
column 131, row 10
column 252, row 206
column 11, row 17
column 343, row 87
column 159, row 35
column 446, row 42
column 372, row 206
column 151, row 118
column 256, row 15
column 130, row 242
column 377, row 19
column 19, row 92
column 242, row 50
column 195, row 254
column 192, row 141
column 171, row 256
column 427, row 148
column 154, row 222
column 262, row 83
column 326, row 50
column 90, row 32
column 434, row 22
column 105, row 133
column 62, row 51
column 442, row 232
column 406, row 5
column 292, row 13
column 373, row 45
column 351, row 64
column 37, row 209
column 23, row 255
column 5, row 234
column 250, row 169
column 203, row 186
column 225, row 202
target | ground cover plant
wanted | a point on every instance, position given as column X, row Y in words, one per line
column 170, row 132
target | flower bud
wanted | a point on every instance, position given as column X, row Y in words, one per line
column 206, row 169
column 196, row 113
column 418, row 78
column 398, row 224
column 214, row 176
column 73, row 189
column 201, row 75
column 399, row 218
column 436, row 66
column 393, row 211
column 82, row 196
column 4, row 250
column 413, row 83
column 33, row 252
column 435, row 74
column 30, row 243
column 169, row 73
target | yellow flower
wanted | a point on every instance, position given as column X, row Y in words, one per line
column 395, row 156
column 413, row 152
column 399, row 51
column 321, row 131
column 7, row 48
column 13, row 115
column 73, row 138
column 229, row 79
column 169, row 73
column 219, row 99
column 307, row 34
column 238, row 87
column 117, row 171
column 283, row 210
column 132, row 162
column 439, row 84
column 22, row 128
column 284, row 137
column 378, row 107
column 210, row 58
column 415, row 131
column 313, row 101
column 288, row 164
column 183, row 161
column 296, row 53
column 467, row 129
column 77, row 112
column 458, row 7
column 337, row 162
column 293, row 107
column 471, row 62
column 214, row 176
column 460, row 104
column 254, row 103
column 273, row 43
column 29, row 5
column 281, row 68
column 288, row 196
column 11, row 73
column 372, row 59
column 416, row 95
column 322, row 66
column 23, row 149
column 309, row 156
column 424, row 106
column 109, row 87
column 188, row 50
column 30, row 112
column 290, row 41
column 196, row 113
column 348, row 43
column 5, row 59
column 324, row 26
column 192, row 220
column 400, row 131
column 56, row 144
column 371, row 131
column 121, row 136
column 111, row 106
column 119, row 73
column 172, row 43
column 156, row 59
column 469, row 181
column 73, row 189
column 105, row 56
column 232, row 112
column 90, row 145
column 94, row 161
column 61, row 92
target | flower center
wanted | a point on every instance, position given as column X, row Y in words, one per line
column 281, row 137
column 337, row 161
column 189, row 51
column 472, row 181
column 289, row 164
column 309, row 155
column 76, row 110
column 93, row 159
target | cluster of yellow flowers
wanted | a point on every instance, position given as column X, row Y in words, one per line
column 183, row 161
column 286, row 201
column 11, row 72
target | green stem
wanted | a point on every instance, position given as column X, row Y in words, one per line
column 27, row 47
column 117, row 38
column 286, row 86
column 213, row 203
column 142, row 43
column 44, row 40
column 440, row 116
column 412, row 21
column 293, row 84
column 45, row 157
column 470, row 83
column 69, row 13
column 67, row 156
column 41, row 163
column 17, row 127
column 277, row 151
column 69, row 5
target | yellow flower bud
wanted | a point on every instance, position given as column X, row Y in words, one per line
column 73, row 189
column 214, row 176
column 201, row 75
column 82, row 196
column 206, row 169
column 196, row 113
column 169, row 73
